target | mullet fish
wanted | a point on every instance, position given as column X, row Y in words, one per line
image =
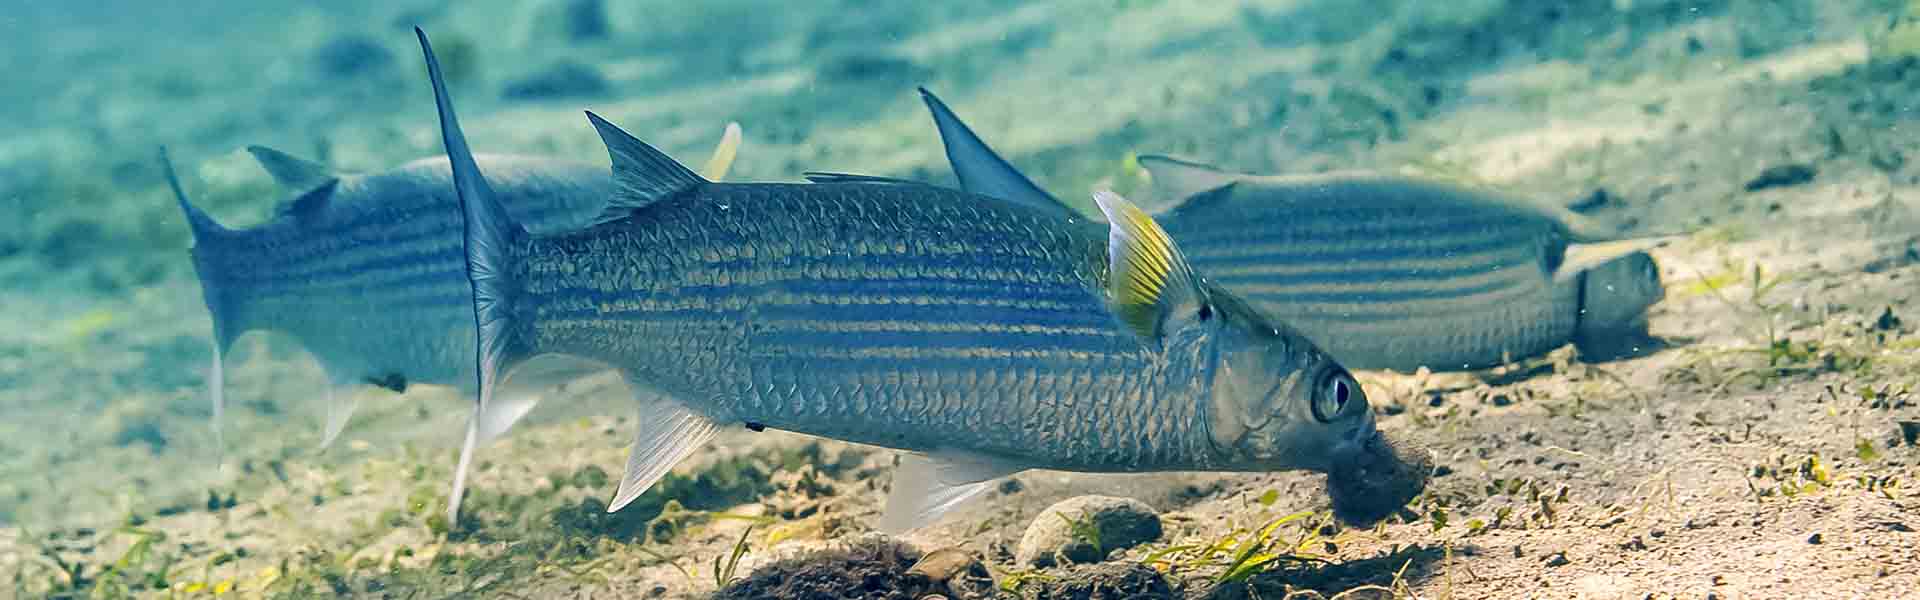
column 368, row 273
column 983, row 337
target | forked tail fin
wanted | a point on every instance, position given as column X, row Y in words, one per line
column 490, row 234
column 206, row 233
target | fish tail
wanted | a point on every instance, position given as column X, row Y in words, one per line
column 490, row 235
column 207, row 237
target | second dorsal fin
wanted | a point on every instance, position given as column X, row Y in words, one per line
column 290, row 171
column 642, row 175
column 980, row 169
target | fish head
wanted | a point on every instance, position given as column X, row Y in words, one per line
column 1617, row 292
column 1279, row 403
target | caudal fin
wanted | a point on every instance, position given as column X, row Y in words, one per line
column 490, row 233
column 206, row 235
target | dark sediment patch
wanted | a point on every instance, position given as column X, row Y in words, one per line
column 558, row 81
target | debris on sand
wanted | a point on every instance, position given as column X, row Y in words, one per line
column 1085, row 529
column 1111, row 581
column 1781, row 176
column 869, row 567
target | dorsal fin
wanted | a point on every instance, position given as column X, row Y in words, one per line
column 642, row 175
column 827, row 177
column 291, row 172
column 981, row 170
column 1175, row 180
column 309, row 204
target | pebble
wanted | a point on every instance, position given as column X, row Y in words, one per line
column 1121, row 522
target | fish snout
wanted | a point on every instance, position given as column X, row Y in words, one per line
column 1377, row 479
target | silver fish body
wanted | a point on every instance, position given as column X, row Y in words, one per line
column 909, row 317
column 1383, row 272
column 1387, row 272
column 374, row 283
column 367, row 271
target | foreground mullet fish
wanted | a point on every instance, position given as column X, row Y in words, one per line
column 367, row 271
column 1385, row 272
column 984, row 337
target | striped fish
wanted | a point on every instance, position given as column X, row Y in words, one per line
column 984, row 337
column 1385, row 272
column 366, row 271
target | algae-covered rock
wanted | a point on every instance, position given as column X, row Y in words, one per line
column 1085, row 529
column 1113, row 581
column 875, row 567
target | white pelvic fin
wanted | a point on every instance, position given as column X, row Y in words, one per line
column 341, row 400
column 722, row 160
column 460, row 470
column 217, row 392
column 668, row 432
column 926, row 487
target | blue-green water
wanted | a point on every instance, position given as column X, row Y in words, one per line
column 1772, row 135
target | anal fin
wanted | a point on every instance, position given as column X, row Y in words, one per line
column 925, row 487
column 668, row 432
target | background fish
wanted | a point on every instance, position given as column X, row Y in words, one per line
column 1385, row 272
column 987, row 337
column 366, row 271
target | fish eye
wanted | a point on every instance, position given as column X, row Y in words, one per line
column 1335, row 392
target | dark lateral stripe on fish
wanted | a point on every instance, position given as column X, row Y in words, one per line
column 1372, row 248
column 1348, row 310
column 1340, row 225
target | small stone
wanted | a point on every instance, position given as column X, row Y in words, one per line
column 560, row 80
column 941, row 565
column 1910, row 432
column 1814, row 539
column 1657, row 533
column 1599, row 197
column 1558, row 559
column 1114, row 523
column 1501, row 400
column 1781, row 176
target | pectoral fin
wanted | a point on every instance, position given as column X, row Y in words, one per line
column 1149, row 283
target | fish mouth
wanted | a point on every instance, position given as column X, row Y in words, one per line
column 1378, row 480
